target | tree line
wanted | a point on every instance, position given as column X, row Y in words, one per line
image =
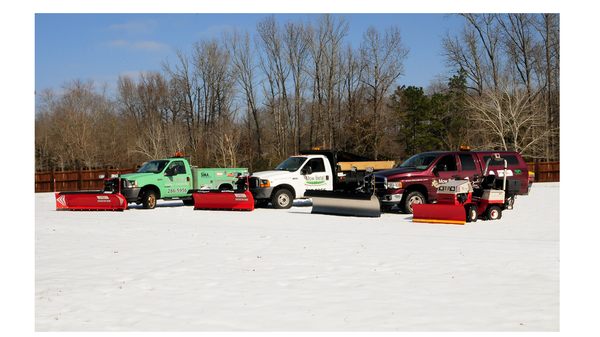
column 252, row 99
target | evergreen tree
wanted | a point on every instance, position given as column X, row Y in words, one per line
column 454, row 118
column 419, row 128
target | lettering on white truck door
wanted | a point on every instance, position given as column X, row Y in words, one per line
column 318, row 179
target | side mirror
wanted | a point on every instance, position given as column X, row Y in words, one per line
column 306, row 170
column 436, row 171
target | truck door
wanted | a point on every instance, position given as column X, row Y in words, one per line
column 316, row 176
column 446, row 168
column 177, row 180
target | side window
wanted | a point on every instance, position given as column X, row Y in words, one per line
column 466, row 162
column 176, row 167
column 510, row 160
column 447, row 163
column 316, row 164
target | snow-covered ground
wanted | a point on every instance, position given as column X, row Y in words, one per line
column 175, row 269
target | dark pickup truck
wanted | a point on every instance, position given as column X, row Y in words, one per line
column 417, row 178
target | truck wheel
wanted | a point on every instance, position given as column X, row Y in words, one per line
column 414, row 197
column 471, row 211
column 494, row 213
column 282, row 199
column 149, row 199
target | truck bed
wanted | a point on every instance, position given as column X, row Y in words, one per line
column 363, row 165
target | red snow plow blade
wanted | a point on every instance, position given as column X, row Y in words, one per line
column 223, row 200
column 439, row 213
column 90, row 201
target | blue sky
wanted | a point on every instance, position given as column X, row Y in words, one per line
column 100, row 47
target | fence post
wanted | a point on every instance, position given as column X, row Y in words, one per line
column 52, row 181
column 79, row 180
column 536, row 170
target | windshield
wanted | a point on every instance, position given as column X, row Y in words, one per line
column 154, row 166
column 419, row 161
column 291, row 164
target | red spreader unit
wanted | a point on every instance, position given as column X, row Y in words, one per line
column 239, row 200
column 90, row 201
column 450, row 208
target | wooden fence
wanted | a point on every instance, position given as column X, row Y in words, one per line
column 88, row 179
column 74, row 180
column 545, row 171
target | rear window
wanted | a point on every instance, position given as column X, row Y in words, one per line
column 511, row 159
column 447, row 163
column 467, row 162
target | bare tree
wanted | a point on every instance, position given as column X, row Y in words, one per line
column 512, row 117
column 382, row 57
column 277, row 71
column 325, row 45
column 243, row 63
column 185, row 94
column 296, row 43
column 501, row 52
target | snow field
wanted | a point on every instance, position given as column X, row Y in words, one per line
column 176, row 269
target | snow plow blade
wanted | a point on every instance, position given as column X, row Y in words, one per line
column 90, row 201
column 223, row 200
column 437, row 213
column 344, row 203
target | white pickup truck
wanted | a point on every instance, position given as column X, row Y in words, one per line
column 311, row 170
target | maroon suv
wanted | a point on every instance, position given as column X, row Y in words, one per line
column 416, row 179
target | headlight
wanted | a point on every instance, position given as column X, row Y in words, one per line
column 394, row 185
column 264, row 183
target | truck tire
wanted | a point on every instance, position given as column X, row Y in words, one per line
column 149, row 199
column 282, row 199
column 413, row 197
column 471, row 211
column 494, row 213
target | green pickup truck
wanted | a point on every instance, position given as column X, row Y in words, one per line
column 172, row 178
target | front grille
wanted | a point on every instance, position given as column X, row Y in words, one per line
column 380, row 183
column 254, row 182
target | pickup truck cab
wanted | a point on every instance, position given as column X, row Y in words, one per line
column 290, row 179
column 327, row 170
column 416, row 179
column 174, row 178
